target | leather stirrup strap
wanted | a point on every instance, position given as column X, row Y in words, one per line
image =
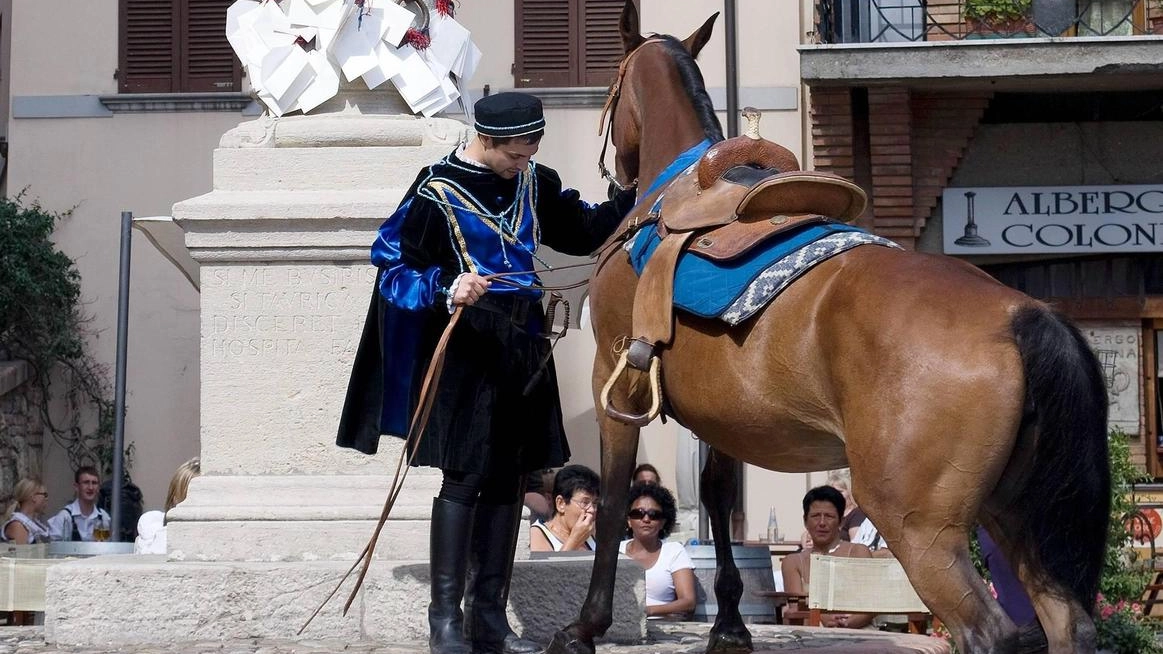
column 654, row 297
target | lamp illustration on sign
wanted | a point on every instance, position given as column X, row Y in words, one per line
column 971, row 238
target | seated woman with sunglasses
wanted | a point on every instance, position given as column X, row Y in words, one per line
column 575, row 506
column 670, row 577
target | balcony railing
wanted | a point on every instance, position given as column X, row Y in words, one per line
column 902, row 21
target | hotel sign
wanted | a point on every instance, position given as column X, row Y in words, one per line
column 1053, row 219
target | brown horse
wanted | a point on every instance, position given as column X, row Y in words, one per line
column 954, row 399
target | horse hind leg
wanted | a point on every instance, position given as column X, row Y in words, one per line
column 718, row 494
column 937, row 560
column 1065, row 626
column 925, row 507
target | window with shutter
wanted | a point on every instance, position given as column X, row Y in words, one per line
column 208, row 62
column 148, row 55
column 546, row 48
column 567, row 42
column 173, row 46
column 603, row 42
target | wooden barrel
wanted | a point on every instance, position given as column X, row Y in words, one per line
column 754, row 563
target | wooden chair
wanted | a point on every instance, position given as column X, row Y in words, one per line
column 788, row 606
column 875, row 586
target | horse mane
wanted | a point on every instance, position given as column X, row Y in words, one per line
column 693, row 84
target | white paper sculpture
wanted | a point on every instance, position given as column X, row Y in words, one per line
column 295, row 52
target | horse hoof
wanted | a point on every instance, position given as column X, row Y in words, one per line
column 1032, row 640
column 564, row 643
column 733, row 642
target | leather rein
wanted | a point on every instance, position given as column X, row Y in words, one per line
column 424, row 409
column 608, row 108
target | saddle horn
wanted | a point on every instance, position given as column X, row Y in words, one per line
column 749, row 148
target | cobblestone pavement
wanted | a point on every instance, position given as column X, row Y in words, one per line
column 666, row 638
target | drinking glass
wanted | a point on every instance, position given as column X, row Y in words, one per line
column 101, row 530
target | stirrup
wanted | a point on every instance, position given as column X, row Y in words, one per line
column 639, row 420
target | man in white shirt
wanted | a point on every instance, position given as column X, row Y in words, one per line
column 77, row 520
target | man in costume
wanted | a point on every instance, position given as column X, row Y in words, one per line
column 483, row 209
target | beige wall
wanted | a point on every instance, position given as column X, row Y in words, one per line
column 5, row 63
column 147, row 162
column 64, row 49
column 101, row 166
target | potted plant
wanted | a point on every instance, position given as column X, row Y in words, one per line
column 999, row 18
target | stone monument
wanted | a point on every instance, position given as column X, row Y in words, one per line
column 280, row 513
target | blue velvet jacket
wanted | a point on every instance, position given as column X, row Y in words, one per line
column 456, row 217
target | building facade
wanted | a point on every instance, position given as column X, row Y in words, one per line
column 989, row 138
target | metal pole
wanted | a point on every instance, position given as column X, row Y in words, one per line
column 732, row 69
column 119, row 384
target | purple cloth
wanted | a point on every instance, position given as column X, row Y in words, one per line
column 1010, row 594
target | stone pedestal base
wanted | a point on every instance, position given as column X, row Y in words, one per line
column 121, row 600
column 304, row 518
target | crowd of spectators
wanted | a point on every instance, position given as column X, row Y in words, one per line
column 26, row 520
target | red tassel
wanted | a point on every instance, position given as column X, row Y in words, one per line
column 417, row 39
column 445, row 8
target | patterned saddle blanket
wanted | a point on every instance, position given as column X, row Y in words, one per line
column 735, row 290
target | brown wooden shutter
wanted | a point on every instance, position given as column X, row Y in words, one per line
column 602, row 42
column 547, row 49
column 208, row 62
column 148, row 58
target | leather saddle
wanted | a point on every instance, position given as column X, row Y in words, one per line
column 742, row 192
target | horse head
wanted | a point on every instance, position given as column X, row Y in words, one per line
column 659, row 84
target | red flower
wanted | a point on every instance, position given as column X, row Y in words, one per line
column 417, row 39
column 445, row 7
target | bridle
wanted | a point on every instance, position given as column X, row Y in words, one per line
column 608, row 108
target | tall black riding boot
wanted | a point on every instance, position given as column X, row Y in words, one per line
column 448, row 549
column 494, row 542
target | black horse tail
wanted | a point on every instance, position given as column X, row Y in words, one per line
column 1063, row 501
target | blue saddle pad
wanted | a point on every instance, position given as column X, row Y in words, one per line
column 707, row 288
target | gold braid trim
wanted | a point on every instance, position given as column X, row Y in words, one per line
column 450, row 215
column 448, row 191
column 485, row 217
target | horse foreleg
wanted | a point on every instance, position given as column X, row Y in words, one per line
column 717, row 486
column 619, row 452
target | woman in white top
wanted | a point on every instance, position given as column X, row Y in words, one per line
column 670, row 577
column 575, row 506
column 25, row 524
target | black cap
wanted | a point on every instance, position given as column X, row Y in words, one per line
column 508, row 114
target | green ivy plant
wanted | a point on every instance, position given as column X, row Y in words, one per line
column 42, row 321
column 998, row 11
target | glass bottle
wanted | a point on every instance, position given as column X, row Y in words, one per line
column 772, row 527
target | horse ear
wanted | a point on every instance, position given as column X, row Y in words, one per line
column 695, row 42
column 628, row 26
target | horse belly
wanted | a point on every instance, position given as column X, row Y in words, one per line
column 755, row 392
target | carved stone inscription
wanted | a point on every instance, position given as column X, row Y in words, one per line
column 284, row 313
column 1117, row 347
